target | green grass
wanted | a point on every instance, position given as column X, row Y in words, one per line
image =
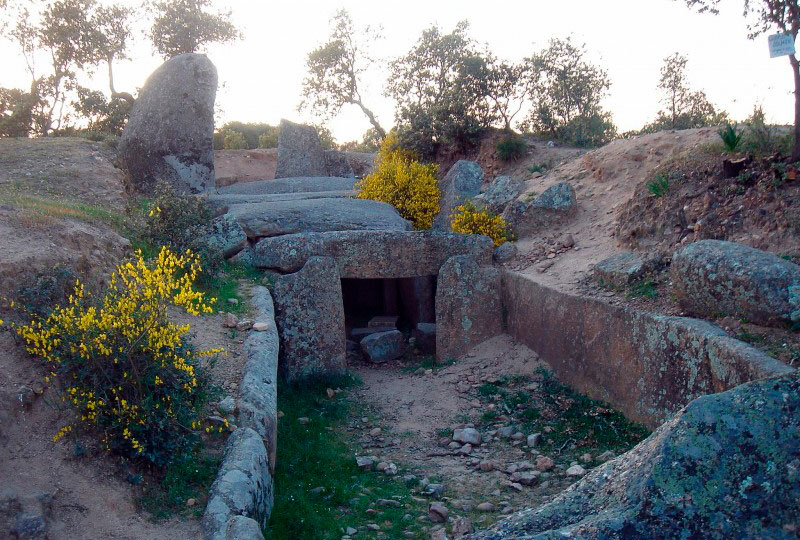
column 315, row 455
column 187, row 479
column 645, row 289
column 538, row 168
column 659, row 186
column 48, row 208
column 576, row 420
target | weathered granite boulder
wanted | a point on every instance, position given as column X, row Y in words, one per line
column 461, row 183
column 169, row 135
column 290, row 185
column 372, row 254
column 299, row 152
column 713, row 277
column 336, row 164
column 500, row 192
column 225, row 236
column 622, row 269
column 278, row 218
column 310, row 318
column 384, row 346
column 468, row 306
column 726, row 466
column 557, row 204
column 425, row 337
column 243, row 486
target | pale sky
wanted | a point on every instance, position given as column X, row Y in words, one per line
column 261, row 76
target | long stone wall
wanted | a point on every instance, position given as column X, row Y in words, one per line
column 647, row 366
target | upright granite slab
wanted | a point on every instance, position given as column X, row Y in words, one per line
column 310, row 318
column 468, row 306
column 372, row 254
column 461, row 183
column 169, row 135
column 300, row 152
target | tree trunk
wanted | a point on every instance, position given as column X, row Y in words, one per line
column 372, row 120
column 796, row 71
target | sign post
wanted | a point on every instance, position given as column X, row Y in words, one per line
column 781, row 45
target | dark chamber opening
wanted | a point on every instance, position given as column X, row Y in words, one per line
column 410, row 299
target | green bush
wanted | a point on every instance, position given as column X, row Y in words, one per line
column 252, row 133
column 760, row 139
column 511, row 148
column 659, row 186
column 234, row 140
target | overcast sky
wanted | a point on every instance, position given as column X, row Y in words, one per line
column 261, row 76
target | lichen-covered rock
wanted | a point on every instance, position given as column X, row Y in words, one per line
column 500, row 192
column 505, row 252
column 713, row 277
column 300, row 152
column 726, row 466
column 336, row 164
column 557, row 204
column 372, row 254
column 243, row 528
column 222, row 203
column 461, row 183
column 169, row 135
column 622, row 269
column 225, row 236
column 468, row 306
column 383, row 346
column 243, row 486
column 290, row 185
column 278, row 218
column 310, row 319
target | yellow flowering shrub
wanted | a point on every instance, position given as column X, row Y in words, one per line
column 127, row 371
column 403, row 182
column 469, row 219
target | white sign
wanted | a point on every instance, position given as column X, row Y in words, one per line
column 780, row 45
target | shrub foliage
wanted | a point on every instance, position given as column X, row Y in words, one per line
column 511, row 147
column 403, row 182
column 469, row 219
column 127, row 371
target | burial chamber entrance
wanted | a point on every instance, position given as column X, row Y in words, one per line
column 378, row 305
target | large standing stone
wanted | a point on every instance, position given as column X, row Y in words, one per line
column 372, row 254
column 336, row 164
column 461, row 183
column 384, row 346
column 726, row 466
column 468, row 306
column 713, row 277
column 310, row 318
column 169, row 135
column 299, row 152
column 277, row 218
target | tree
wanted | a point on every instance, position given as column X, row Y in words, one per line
column 509, row 87
column 685, row 109
column 766, row 15
column 16, row 112
column 440, row 90
column 335, row 70
column 75, row 36
column 566, row 101
column 184, row 26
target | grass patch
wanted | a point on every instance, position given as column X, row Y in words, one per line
column 46, row 209
column 659, row 186
column 538, row 168
column 313, row 456
column 189, row 478
column 643, row 289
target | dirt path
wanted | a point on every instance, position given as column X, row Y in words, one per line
column 417, row 412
